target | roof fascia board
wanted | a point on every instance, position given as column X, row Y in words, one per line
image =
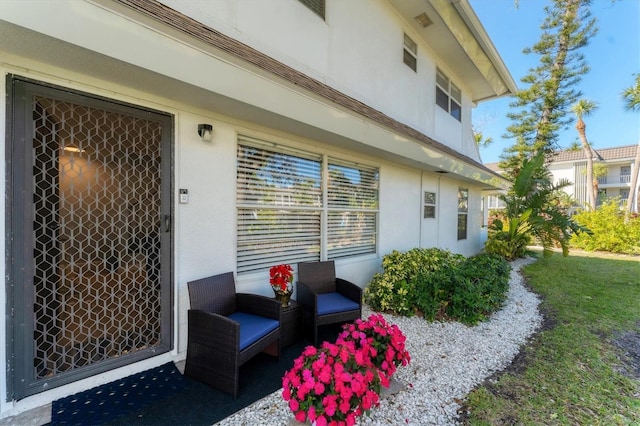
column 472, row 37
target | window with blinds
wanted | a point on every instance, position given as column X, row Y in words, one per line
column 289, row 211
column 352, row 204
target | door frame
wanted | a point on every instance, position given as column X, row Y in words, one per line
column 19, row 235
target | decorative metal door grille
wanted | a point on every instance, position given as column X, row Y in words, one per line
column 96, row 209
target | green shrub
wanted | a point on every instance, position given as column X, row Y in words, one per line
column 393, row 290
column 507, row 245
column 467, row 292
column 440, row 285
column 610, row 232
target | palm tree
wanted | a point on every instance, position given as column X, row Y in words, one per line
column 631, row 98
column 584, row 108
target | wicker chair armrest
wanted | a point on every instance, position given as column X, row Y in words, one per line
column 258, row 305
column 306, row 296
column 349, row 290
column 213, row 330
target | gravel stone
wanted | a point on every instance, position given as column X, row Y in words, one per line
column 448, row 360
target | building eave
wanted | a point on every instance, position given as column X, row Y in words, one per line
column 290, row 100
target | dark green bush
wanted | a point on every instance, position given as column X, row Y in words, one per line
column 467, row 292
column 448, row 287
column 392, row 291
column 610, row 230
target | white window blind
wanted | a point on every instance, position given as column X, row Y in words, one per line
column 352, row 209
column 282, row 216
column 279, row 198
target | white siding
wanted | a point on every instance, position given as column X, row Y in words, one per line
column 357, row 50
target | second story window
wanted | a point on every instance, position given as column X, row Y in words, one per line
column 625, row 174
column 316, row 5
column 410, row 53
column 448, row 96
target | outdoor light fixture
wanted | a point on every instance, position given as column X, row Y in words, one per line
column 206, row 132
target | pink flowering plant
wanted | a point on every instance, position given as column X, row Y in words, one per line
column 340, row 381
column 332, row 385
column 384, row 342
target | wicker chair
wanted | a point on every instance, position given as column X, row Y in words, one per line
column 325, row 298
column 226, row 329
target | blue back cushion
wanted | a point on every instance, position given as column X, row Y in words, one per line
column 330, row 303
column 252, row 327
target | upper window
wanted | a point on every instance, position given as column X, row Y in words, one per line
column 448, row 96
column 290, row 211
column 410, row 53
column 316, row 5
column 463, row 212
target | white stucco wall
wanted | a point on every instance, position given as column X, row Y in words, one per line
column 563, row 171
column 357, row 49
column 205, row 228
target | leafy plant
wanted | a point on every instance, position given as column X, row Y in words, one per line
column 440, row 285
column 467, row 292
column 393, row 290
column 612, row 231
column 531, row 211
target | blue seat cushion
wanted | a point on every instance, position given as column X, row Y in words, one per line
column 253, row 327
column 330, row 303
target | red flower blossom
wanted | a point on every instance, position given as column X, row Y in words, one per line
column 281, row 277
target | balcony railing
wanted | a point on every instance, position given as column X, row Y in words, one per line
column 614, row 179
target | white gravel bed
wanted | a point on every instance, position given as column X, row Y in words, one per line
column 448, row 360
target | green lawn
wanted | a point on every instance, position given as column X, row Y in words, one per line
column 568, row 374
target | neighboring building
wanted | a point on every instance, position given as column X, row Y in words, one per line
column 571, row 165
column 147, row 144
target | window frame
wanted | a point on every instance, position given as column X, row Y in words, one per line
column 347, row 214
column 429, row 205
column 463, row 213
column 448, row 95
column 410, row 50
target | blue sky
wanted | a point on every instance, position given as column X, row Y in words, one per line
column 613, row 56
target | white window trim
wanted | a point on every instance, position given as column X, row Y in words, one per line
column 429, row 204
column 463, row 211
column 450, row 88
column 411, row 49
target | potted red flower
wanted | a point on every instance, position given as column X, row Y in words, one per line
column 281, row 280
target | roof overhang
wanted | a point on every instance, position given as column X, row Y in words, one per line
column 458, row 38
column 55, row 33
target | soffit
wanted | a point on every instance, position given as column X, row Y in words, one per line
column 458, row 39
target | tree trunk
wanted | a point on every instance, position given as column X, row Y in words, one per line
column 591, row 191
column 632, row 198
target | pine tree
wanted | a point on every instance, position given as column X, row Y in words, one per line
column 542, row 107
